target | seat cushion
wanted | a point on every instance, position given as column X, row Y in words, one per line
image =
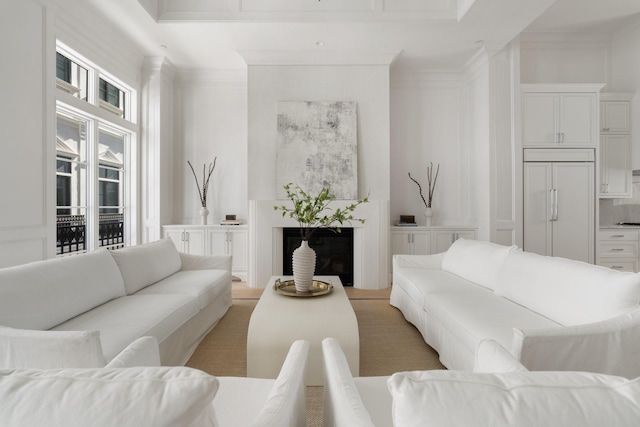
column 418, row 282
column 143, row 265
column 123, row 397
column 567, row 291
column 239, row 400
column 205, row 285
column 25, row 348
column 471, row 317
column 376, row 398
column 43, row 294
column 477, row 261
column 523, row 399
column 125, row 319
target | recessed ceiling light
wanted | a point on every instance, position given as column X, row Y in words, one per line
column 319, row 43
column 163, row 46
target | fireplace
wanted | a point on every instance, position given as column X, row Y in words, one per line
column 334, row 252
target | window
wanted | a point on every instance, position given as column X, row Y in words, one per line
column 71, row 77
column 93, row 156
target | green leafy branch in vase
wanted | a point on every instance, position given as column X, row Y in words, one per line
column 313, row 212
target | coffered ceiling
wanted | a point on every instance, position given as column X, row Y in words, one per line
column 431, row 34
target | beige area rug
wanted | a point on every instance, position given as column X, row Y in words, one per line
column 388, row 343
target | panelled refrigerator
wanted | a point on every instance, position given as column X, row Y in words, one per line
column 559, row 203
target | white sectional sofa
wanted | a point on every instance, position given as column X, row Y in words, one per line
column 551, row 313
column 109, row 300
column 508, row 396
column 153, row 396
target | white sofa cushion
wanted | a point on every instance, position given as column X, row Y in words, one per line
column 566, row 291
column 25, row 348
column 123, row 320
column 43, row 294
column 145, row 264
column 523, row 399
column 205, row 285
column 476, row 261
column 134, row 397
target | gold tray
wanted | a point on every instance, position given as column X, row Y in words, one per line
column 288, row 288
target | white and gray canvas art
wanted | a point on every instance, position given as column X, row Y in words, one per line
column 317, row 147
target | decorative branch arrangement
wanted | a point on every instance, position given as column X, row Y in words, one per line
column 308, row 210
column 431, row 180
column 206, row 177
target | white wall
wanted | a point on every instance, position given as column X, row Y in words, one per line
column 427, row 125
column 211, row 111
column 368, row 86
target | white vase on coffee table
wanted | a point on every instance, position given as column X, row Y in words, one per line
column 304, row 265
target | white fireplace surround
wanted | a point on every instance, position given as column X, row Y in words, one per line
column 370, row 242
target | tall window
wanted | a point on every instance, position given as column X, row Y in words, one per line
column 93, row 157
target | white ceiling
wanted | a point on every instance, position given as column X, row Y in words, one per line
column 431, row 34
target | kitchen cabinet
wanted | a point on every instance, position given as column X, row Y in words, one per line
column 615, row 145
column 559, row 203
column 560, row 116
column 410, row 241
column 213, row 240
column 618, row 249
column 615, row 166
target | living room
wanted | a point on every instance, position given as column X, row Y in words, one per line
column 207, row 77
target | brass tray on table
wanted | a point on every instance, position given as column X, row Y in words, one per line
column 288, row 288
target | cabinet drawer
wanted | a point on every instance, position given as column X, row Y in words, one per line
column 618, row 235
column 618, row 249
column 620, row 265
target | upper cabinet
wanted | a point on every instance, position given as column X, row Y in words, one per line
column 560, row 116
column 615, row 145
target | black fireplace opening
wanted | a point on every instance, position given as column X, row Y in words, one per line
column 334, row 252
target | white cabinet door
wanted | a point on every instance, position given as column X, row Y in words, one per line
column 615, row 166
column 540, row 119
column 559, row 209
column 239, row 242
column 578, row 119
column 217, row 242
column 615, row 116
column 177, row 237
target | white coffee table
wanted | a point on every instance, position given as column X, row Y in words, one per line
column 279, row 320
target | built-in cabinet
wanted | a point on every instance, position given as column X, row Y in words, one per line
column 426, row 240
column 559, row 203
column 618, row 249
column 559, row 116
column 615, row 145
column 213, row 240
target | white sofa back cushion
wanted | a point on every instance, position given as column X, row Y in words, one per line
column 43, row 294
column 566, row 291
column 146, row 264
column 476, row 261
column 160, row 396
column 523, row 399
column 22, row 348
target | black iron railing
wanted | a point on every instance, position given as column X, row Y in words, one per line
column 71, row 232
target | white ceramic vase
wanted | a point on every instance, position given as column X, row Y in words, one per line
column 428, row 214
column 204, row 213
column 304, row 265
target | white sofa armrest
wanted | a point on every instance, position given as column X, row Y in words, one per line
column 492, row 357
column 205, row 262
column 433, row 262
column 142, row 352
column 609, row 347
column 286, row 405
column 343, row 406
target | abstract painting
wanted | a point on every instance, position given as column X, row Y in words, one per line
column 317, row 147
